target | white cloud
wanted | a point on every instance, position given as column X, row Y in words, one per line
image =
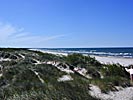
column 11, row 36
column 6, row 31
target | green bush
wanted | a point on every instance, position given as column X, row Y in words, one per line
column 108, row 84
column 114, row 70
column 81, row 61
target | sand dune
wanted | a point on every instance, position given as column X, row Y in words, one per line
column 102, row 59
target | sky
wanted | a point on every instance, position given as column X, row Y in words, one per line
column 66, row 23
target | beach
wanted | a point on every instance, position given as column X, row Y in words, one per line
column 114, row 60
column 121, row 94
column 102, row 59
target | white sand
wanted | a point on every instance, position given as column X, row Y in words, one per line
column 3, row 59
column 67, row 70
column 22, row 56
column 65, row 78
column 82, row 71
column 37, row 74
column 1, row 75
column 115, row 60
column 124, row 94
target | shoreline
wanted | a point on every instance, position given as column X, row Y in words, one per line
column 45, row 51
column 113, row 60
column 95, row 91
column 101, row 59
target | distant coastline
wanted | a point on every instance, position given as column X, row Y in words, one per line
column 101, row 58
column 125, row 52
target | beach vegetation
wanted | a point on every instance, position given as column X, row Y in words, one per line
column 26, row 79
column 114, row 70
column 81, row 60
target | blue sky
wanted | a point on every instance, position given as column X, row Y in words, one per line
column 66, row 23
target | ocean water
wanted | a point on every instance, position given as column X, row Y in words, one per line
column 117, row 52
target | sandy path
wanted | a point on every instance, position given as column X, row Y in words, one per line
column 37, row 74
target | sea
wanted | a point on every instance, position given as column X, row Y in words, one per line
column 125, row 52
